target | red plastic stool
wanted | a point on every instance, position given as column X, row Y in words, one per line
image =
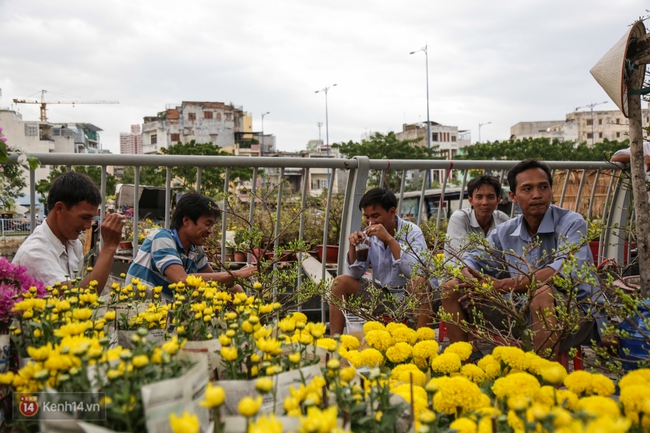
column 563, row 358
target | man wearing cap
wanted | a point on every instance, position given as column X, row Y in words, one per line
column 53, row 252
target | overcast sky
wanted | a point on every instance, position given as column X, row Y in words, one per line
column 502, row 61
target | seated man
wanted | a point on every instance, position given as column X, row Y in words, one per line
column 388, row 237
column 53, row 252
column 169, row 255
column 623, row 156
column 484, row 195
column 538, row 232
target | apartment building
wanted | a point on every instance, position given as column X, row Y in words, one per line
column 131, row 142
column 222, row 124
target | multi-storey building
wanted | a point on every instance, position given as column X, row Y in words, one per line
column 131, row 142
column 448, row 139
column 580, row 126
column 221, row 124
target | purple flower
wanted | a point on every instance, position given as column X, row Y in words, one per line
column 2, row 138
column 13, row 283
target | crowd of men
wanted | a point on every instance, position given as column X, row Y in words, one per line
column 533, row 245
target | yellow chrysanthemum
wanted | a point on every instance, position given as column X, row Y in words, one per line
column 473, row 373
column 597, row 405
column 408, row 372
column 373, row 326
column 399, row 353
column 371, row 358
column 425, row 333
column 521, row 383
column 446, row 363
column 427, row 349
column 461, row 348
column 379, row 339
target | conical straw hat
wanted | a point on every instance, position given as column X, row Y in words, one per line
column 610, row 70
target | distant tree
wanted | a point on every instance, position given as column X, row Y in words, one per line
column 211, row 178
column 381, row 146
column 542, row 148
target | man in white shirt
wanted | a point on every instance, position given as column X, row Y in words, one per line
column 483, row 195
column 53, row 252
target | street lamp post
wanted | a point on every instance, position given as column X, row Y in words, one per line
column 591, row 107
column 327, row 129
column 426, row 57
column 479, row 129
column 262, row 144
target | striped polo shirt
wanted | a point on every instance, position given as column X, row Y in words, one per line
column 160, row 249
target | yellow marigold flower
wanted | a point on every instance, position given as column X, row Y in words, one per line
column 597, row 405
column 229, row 353
column 371, row 358
column 350, row 342
column 266, row 424
column 408, row 372
column 514, row 357
column 427, row 349
column 373, row 326
column 401, row 332
column 473, row 373
column 446, row 363
column 554, row 373
column 214, row 396
column 464, row 425
column 140, row 361
column 610, row 425
column 518, row 403
column 353, row 357
column 601, row 385
column 399, row 353
column 457, row 393
column 328, row 344
column 264, row 385
column 490, row 366
column 248, row 406
column 633, row 397
column 427, row 417
column 521, row 383
column 578, row 382
column 39, row 354
column 461, row 348
column 425, row 333
column 184, row 424
column 347, row 374
column 379, row 339
column 635, row 377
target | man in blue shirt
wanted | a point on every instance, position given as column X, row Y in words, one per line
column 537, row 243
column 169, row 256
column 392, row 244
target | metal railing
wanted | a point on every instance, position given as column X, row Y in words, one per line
column 14, row 227
column 605, row 187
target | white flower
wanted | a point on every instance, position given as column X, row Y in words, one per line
column 22, row 158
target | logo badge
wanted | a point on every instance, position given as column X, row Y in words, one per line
column 28, row 405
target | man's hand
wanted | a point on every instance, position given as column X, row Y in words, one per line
column 245, row 272
column 356, row 238
column 111, row 229
column 379, row 231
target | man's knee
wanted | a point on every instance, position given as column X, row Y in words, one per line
column 449, row 291
column 344, row 285
column 543, row 298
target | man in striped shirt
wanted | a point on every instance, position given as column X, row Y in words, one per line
column 168, row 256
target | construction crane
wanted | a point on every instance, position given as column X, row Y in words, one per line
column 44, row 103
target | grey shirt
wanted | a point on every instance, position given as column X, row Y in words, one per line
column 462, row 223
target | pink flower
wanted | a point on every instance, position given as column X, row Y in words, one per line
column 13, row 283
column 2, row 138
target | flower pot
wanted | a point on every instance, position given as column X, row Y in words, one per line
column 126, row 245
column 257, row 253
column 288, row 256
column 239, row 256
column 332, row 253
